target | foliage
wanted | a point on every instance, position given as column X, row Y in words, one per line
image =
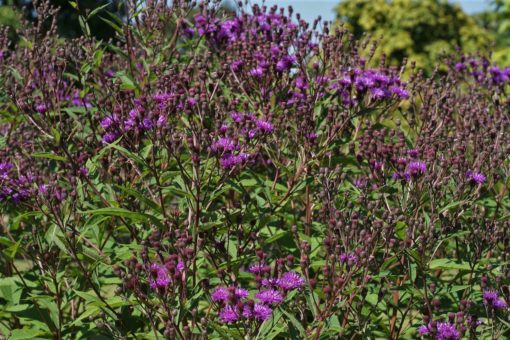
column 497, row 21
column 247, row 177
column 68, row 18
column 421, row 30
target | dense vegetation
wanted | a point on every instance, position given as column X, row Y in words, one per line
column 247, row 177
column 421, row 30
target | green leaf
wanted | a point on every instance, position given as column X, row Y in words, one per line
column 49, row 155
column 449, row 264
column 89, row 297
column 450, row 206
column 294, row 323
column 121, row 212
column 97, row 10
column 25, row 333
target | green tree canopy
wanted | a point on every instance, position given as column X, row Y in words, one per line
column 497, row 21
column 11, row 12
column 418, row 29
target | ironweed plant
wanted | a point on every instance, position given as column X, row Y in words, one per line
column 247, row 176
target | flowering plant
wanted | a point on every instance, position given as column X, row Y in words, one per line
column 244, row 175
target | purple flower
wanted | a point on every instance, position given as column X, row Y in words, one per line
column 291, row 280
column 301, row 83
column 180, row 266
column 106, row 122
column 5, row 168
column 204, row 26
column 162, row 97
column 422, row 330
column 162, row 279
column 260, row 312
column 228, row 314
column 41, row 108
column 417, row 167
column 378, row 93
column 147, row 124
column 285, row 63
column 230, row 161
column 499, row 304
column 271, row 282
column 269, row 296
column 257, row 72
column 237, row 117
column 220, row 294
column 405, row 176
column 460, row 67
column 491, row 298
column 312, row 137
column 161, row 120
column 413, row 153
column 241, row 293
column 258, row 268
column 43, row 189
column 499, row 76
column 223, row 144
column 447, row 331
column 109, row 137
column 360, row 182
column 84, row 171
column 264, row 126
column 348, row 258
column 400, row 92
column 223, row 294
column 236, row 65
column 475, row 177
column 229, row 30
column 130, row 123
column 191, row 101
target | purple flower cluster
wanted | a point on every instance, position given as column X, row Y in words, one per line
column 230, row 161
column 475, row 177
column 225, row 294
column 215, row 31
column 445, row 331
column 257, row 311
column 269, row 296
column 491, row 299
column 417, row 168
column 137, row 121
column 414, row 168
column 162, row 279
column 224, row 144
column 288, row 281
column 235, row 306
column 233, row 300
column 161, row 275
column 348, row 258
column 376, row 84
column 247, row 127
column 259, row 268
column 499, row 76
column 482, row 72
column 231, row 30
column 14, row 188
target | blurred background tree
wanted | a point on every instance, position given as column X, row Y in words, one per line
column 421, row 30
column 497, row 21
column 12, row 11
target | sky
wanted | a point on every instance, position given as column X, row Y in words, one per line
column 311, row 9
